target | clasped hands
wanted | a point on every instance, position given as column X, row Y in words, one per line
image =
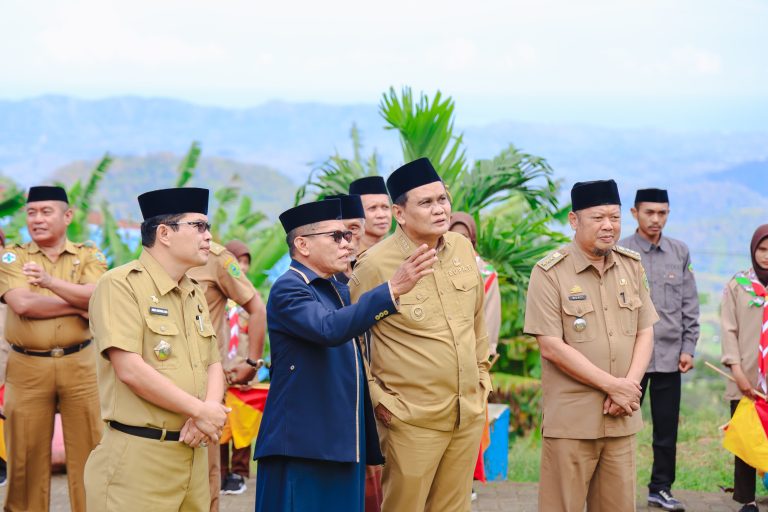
column 206, row 426
column 36, row 275
column 623, row 397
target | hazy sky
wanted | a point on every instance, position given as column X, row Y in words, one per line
column 687, row 63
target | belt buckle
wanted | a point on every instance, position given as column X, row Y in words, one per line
column 57, row 352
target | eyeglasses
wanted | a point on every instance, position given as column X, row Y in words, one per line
column 201, row 225
column 337, row 235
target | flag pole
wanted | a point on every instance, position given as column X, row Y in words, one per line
column 730, row 377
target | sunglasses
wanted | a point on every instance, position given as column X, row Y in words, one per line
column 337, row 235
column 201, row 225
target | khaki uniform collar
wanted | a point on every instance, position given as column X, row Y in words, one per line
column 581, row 262
column 69, row 247
column 408, row 246
column 163, row 282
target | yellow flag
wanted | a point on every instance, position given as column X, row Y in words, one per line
column 745, row 435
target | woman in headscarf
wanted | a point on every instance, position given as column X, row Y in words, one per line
column 744, row 310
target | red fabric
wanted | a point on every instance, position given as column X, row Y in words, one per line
column 761, row 406
column 762, row 359
column 489, row 280
column 254, row 397
column 480, row 467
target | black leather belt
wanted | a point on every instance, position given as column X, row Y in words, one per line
column 56, row 352
column 147, row 432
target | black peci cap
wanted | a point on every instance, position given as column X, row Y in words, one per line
column 368, row 185
column 351, row 206
column 172, row 201
column 309, row 213
column 586, row 194
column 46, row 193
column 411, row 175
column 651, row 195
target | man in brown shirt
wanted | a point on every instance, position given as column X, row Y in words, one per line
column 221, row 278
column 429, row 364
column 378, row 210
column 159, row 369
column 46, row 284
column 589, row 307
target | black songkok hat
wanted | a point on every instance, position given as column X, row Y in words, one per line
column 47, row 194
column 309, row 213
column 172, row 201
column 651, row 195
column 411, row 175
column 351, row 206
column 368, row 185
column 586, row 194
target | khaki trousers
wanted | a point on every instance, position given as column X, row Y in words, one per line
column 35, row 387
column 214, row 475
column 126, row 473
column 428, row 470
column 598, row 472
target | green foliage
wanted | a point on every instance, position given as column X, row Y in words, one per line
column 523, row 395
column 13, row 200
column 188, row 165
column 116, row 251
column 81, row 198
column 426, row 130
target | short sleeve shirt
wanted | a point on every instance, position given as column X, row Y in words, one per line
column 599, row 316
column 78, row 263
column 221, row 279
column 138, row 308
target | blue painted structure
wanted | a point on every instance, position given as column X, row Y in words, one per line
column 496, row 456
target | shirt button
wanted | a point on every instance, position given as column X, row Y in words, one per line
column 162, row 328
column 293, row 367
column 605, row 308
column 610, row 333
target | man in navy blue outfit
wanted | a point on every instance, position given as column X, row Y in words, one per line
column 318, row 431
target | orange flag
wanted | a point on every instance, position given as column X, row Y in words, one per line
column 247, row 409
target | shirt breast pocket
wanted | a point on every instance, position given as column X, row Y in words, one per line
column 206, row 340
column 673, row 287
column 629, row 309
column 164, row 343
column 579, row 321
column 417, row 308
column 466, row 287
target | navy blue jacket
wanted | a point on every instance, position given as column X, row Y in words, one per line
column 311, row 409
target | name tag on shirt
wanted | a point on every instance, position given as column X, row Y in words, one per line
column 577, row 297
column 158, row 311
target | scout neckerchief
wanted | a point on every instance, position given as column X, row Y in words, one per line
column 487, row 271
column 233, row 314
column 757, row 291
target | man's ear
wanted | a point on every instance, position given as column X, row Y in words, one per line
column 398, row 212
column 161, row 235
column 573, row 220
column 301, row 246
column 633, row 211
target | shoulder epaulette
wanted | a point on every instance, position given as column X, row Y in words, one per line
column 551, row 260
column 217, row 248
column 627, row 252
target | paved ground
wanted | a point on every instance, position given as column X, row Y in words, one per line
column 493, row 497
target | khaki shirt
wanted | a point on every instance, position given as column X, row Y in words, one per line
column 134, row 308
column 565, row 286
column 221, row 279
column 4, row 346
column 78, row 263
column 740, row 329
column 429, row 363
column 673, row 291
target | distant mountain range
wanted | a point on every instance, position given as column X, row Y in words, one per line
column 716, row 181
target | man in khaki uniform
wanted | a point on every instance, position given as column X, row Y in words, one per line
column 46, row 284
column 590, row 309
column 160, row 378
column 377, row 207
column 221, row 278
column 429, row 364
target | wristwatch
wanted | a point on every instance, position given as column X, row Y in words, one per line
column 256, row 364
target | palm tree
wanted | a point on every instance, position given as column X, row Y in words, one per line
column 512, row 196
